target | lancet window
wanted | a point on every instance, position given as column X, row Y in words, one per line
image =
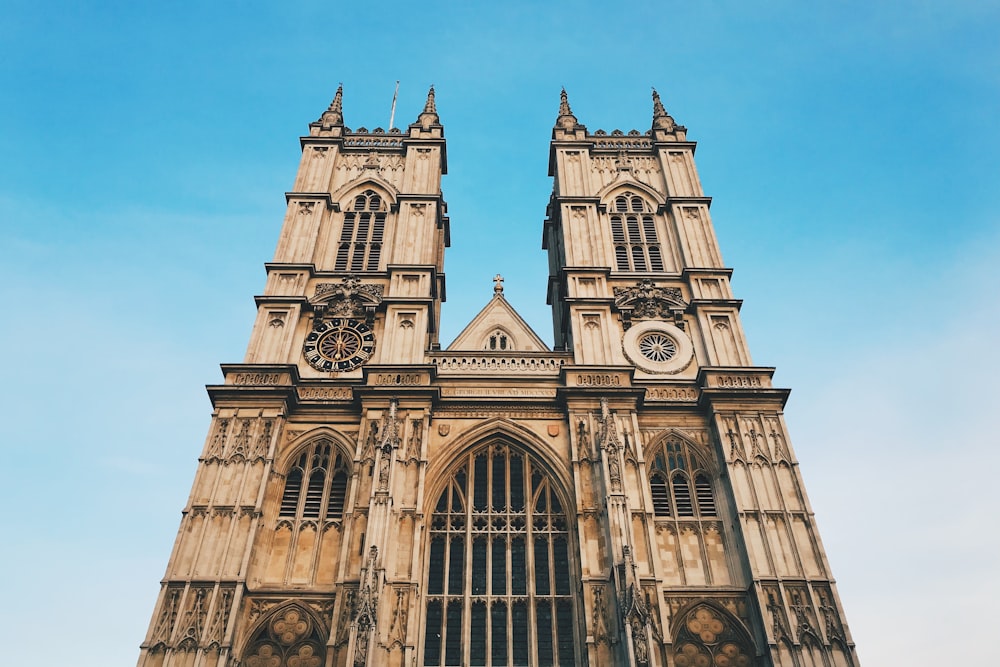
column 362, row 234
column 633, row 231
column 499, row 340
column 678, row 485
column 499, row 588
column 316, row 484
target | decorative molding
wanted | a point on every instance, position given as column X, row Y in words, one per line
column 349, row 298
column 647, row 301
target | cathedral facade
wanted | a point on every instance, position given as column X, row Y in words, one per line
column 367, row 497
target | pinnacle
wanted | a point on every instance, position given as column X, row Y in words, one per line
column 564, row 109
column 334, row 115
column 661, row 119
column 566, row 119
column 658, row 110
column 429, row 115
column 430, row 106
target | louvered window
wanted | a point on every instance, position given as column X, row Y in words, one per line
column 324, row 493
column 633, row 232
column 498, row 583
column 360, row 245
column 670, row 484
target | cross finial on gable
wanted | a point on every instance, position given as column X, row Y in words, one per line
column 498, row 284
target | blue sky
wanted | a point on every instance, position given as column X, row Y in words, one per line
column 852, row 150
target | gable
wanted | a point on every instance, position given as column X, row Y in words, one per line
column 498, row 328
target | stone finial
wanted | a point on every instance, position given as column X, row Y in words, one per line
column 334, row 115
column 566, row 118
column 429, row 115
column 498, row 285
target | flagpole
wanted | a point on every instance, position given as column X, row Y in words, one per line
column 392, row 114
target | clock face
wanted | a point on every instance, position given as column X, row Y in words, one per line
column 339, row 344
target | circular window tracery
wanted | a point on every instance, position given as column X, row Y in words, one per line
column 658, row 346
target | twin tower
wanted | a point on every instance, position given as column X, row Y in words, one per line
column 366, row 497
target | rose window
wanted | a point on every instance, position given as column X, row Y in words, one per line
column 657, row 346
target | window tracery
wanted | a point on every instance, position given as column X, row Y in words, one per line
column 499, row 341
column 289, row 639
column 678, row 485
column 321, row 471
column 362, row 234
column 633, row 232
column 498, row 581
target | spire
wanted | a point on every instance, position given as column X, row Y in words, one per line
column 566, row 119
column 661, row 119
column 429, row 116
column 334, row 115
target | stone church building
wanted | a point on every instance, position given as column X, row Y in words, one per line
column 366, row 496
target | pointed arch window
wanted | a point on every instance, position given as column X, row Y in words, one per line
column 633, row 232
column 316, row 484
column 361, row 237
column 290, row 637
column 498, row 579
column 679, row 486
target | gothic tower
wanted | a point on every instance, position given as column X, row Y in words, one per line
column 367, row 498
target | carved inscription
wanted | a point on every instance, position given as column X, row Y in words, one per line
column 671, row 394
column 498, row 392
column 325, row 393
column 258, row 378
column 599, row 380
column 737, row 381
column 399, row 379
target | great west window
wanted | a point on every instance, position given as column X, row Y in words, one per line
column 498, row 581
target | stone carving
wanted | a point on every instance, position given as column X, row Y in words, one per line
column 220, row 617
column 779, row 625
column 346, row 614
column 413, row 445
column 755, row 437
column 240, row 443
column 168, row 616
column 804, row 619
column 831, row 622
column 368, row 452
column 367, row 608
column 583, row 441
column 647, row 301
column 219, row 439
column 633, row 606
column 736, row 450
column 780, row 450
column 263, row 442
column 389, row 431
column 611, row 445
column 601, row 633
column 194, row 616
column 349, row 298
column 397, row 628
column 258, row 608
